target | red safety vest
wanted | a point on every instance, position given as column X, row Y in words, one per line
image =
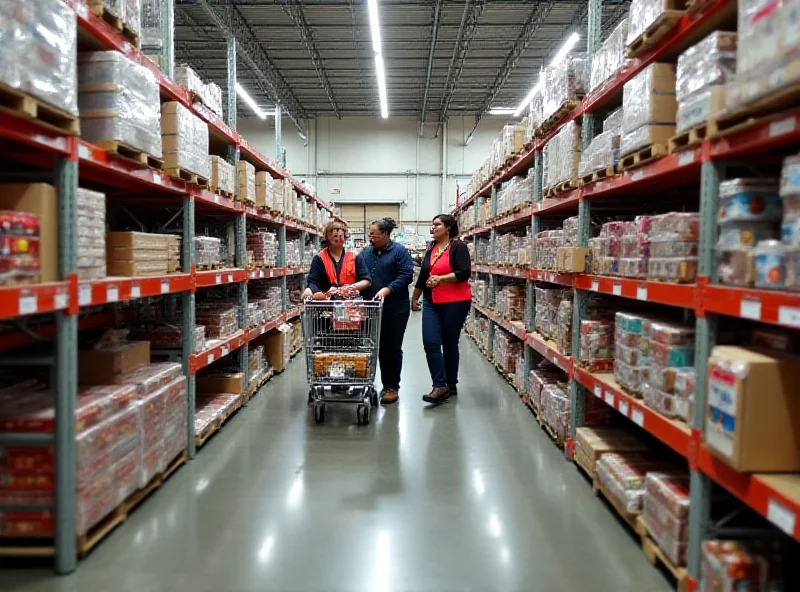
column 348, row 273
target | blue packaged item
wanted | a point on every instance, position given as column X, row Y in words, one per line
column 755, row 200
column 770, row 265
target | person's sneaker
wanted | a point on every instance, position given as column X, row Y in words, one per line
column 453, row 390
column 389, row 396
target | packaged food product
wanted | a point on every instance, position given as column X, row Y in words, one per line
column 667, row 404
column 770, row 265
column 749, row 200
column 732, row 566
column 675, row 270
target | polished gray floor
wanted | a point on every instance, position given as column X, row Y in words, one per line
column 469, row 496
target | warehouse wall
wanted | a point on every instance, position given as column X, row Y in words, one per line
column 361, row 159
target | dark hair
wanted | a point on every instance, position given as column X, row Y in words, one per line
column 450, row 223
column 333, row 225
column 386, row 225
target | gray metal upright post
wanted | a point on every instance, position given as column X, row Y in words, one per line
column 65, row 388
column 279, row 154
column 593, row 42
column 188, row 318
column 282, row 263
column 168, row 38
column 230, row 112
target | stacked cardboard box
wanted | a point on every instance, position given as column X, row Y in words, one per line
column 592, row 443
column 91, row 234
column 265, row 195
column 223, row 175
column 246, row 175
column 185, row 140
column 650, row 108
column 141, row 253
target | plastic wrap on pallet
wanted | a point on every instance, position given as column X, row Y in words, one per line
column 613, row 122
column 207, row 251
column 666, row 512
column 223, row 175
column 650, row 107
column 212, row 96
column 118, row 101
column 264, row 246
column 601, row 153
column 91, row 230
column 151, row 25
column 563, row 154
column 564, row 82
column 611, row 56
column 555, row 406
column 760, row 28
column 133, row 16
column 38, row 46
column 185, row 139
column 189, row 79
column 643, row 14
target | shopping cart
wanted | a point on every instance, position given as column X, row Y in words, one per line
column 341, row 340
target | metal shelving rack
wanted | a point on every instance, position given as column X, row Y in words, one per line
column 775, row 497
column 65, row 161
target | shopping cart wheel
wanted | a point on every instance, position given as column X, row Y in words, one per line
column 319, row 413
column 373, row 397
column 363, row 414
column 310, row 395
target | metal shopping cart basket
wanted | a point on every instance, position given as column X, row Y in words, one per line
column 341, row 342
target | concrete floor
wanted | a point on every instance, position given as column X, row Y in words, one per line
column 468, row 496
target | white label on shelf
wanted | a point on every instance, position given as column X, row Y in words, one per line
column 552, row 278
column 637, row 175
column 641, row 292
column 84, row 295
column 750, row 309
column 623, row 407
column 781, row 516
column 638, row 417
column 28, row 304
column 263, row 329
column 598, row 391
column 157, row 178
column 609, row 398
column 216, row 198
column 595, row 285
column 112, row 293
column 226, row 349
column 686, row 158
column 789, row 315
column 230, row 278
column 218, row 278
column 210, row 358
column 782, row 127
column 136, row 291
column 616, row 289
column 62, row 300
column 165, row 286
column 271, row 273
column 84, row 152
column 82, row 10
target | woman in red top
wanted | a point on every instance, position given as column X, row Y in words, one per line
column 444, row 283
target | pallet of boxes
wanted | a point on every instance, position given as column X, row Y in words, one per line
column 139, row 254
column 246, row 179
column 185, row 141
column 651, row 21
column 562, row 156
column 122, row 15
column 208, row 94
column 223, row 177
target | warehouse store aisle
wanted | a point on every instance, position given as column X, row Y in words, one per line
column 468, row 496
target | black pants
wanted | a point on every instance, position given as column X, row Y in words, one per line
column 441, row 329
column 390, row 354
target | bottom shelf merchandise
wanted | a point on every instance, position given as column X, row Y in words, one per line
column 735, row 565
column 666, row 513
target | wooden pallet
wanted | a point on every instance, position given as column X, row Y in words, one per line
column 223, row 193
column 214, row 427
column 553, row 436
column 562, row 187
column 643, row 156
column 552, row 121
column 763, row 110
column 183, row 175
column 631, row 519
column 596, row 176
column 658, row 29
column 692, row 137
column 655, row 555
column 28, row 107
column 99, row 9
column 128, row 152
column 214, row 267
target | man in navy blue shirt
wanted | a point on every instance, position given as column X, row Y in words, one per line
column 392, row 271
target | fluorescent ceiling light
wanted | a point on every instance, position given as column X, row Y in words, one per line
column 375, row 26
column 249, row 100
column 502, row 111
column 571, row 41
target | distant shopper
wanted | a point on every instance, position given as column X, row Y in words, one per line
column 392, row 270
column 443, row 281
column 335, row 269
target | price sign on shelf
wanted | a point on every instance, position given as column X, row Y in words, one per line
column 781, row 516
column 595, row 285
column 789, row 315
column 686, row 158
column 782, row 127
column 84, row 295
column 218, row 278
column 750, row 309
column 623, row 407
column 28, row 304
column 62, row 300
column 230, row 278
column 616, row 289
column 84, row 152
column 226, row 349
column 552, row 278
column 598, row 391
column 165, row 286
column 638, row 417
column 641, row 292
column 112, row 293
column 210, row 358
column 637, row 175
column 609, row 398
column 136, row 291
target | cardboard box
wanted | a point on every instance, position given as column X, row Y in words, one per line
column 105, row 366
column 138, row 240
column 276, row 347
column 220, row 383
column 40, row 199
column 137, row 268
column 661, row 109
column 264, row 193
column 571, row 259
column 753, row 409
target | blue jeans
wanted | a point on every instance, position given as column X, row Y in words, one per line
column 441, row 330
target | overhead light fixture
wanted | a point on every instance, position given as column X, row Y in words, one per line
column 249, row 100
column 375, row 26
column 468, row 140
column 571, row 41
column 502, row 111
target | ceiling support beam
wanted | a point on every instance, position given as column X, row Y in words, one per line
column 469, row 24
column 232, row 24
column 434, row 36
column 536, row 18
column 294, row 8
